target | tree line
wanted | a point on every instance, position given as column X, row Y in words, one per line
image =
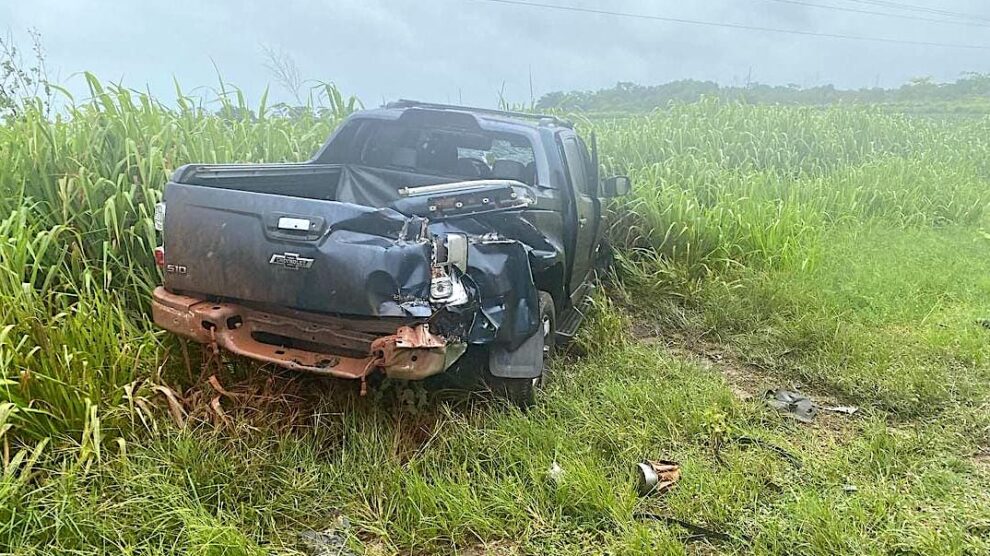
column 972, row 89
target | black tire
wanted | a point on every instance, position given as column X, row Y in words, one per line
column 521, row 392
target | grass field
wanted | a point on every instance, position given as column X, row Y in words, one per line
column 844, row 250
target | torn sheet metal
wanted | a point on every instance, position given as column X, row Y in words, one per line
column 793, row 404
column 413, row 353
column 801, row 407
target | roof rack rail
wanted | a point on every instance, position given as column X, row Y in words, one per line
column 406, row 103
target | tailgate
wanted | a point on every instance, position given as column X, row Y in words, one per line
column 306, row 254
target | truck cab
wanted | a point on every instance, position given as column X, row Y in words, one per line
column 417, row 233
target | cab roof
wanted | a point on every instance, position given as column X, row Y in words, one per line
column 501, row 116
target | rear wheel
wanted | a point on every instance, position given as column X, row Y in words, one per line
column 522, row 391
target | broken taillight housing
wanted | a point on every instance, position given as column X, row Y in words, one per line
column 160, row 256
column 449, row 254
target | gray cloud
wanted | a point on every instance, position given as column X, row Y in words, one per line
column 444, row 49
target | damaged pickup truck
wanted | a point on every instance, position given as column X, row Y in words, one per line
column 417, row 233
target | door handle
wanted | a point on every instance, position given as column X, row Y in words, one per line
column 582, row 221
column 293, row 227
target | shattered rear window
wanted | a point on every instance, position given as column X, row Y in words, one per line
column 447, row 152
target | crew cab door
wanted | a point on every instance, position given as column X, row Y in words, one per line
column 583, row 182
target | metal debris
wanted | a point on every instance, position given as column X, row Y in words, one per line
column 801, row 407
column 657, row 477
column 794, row 404
column 329, row 542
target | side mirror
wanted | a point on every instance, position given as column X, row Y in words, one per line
column 616, row 186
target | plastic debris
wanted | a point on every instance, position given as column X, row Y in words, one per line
column 845, row 409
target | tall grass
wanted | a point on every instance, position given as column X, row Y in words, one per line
column 78, row 192
column 722, row 184
column 742, row 211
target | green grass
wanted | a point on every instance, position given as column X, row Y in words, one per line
column 448, row 477
column 842, row 249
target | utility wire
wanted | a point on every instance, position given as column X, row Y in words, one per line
column 921, row 9
column 884, row 14
column 577, row 9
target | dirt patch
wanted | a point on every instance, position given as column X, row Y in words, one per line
column 747, row 382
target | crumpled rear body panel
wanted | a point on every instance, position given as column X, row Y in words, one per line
column 364, row 262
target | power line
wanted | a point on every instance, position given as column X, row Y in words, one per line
column 921, row 9
column 732, row 25
column 884, row 14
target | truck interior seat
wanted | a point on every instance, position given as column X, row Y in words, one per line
column 509, row 170
column 473, row 168
column 404, row 157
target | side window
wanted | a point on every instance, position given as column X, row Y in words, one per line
column 590, row 171
column 576, row 165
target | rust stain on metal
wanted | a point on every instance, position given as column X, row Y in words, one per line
column 657, row 477
column 668, row 472
column 411, row 352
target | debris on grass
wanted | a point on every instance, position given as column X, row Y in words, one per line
column 657, row 477
column 844, row 409
column 174, row 405
column 329, row 542
column 698, row 532
column 802, row 408
column 749, row 441
column 794, row 404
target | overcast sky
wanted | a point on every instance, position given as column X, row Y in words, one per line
column 446, row 50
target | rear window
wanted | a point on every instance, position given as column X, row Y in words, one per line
column 444, row 152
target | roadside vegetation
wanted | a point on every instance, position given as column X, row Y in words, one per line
column 841, row 249
column 968, row 95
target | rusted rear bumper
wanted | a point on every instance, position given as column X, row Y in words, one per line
column 411, row 352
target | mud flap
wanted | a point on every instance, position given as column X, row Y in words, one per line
column 526, row 361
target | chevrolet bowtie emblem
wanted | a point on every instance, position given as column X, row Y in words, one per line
column 291, row 261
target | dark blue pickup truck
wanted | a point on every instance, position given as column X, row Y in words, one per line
column 417, row 233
